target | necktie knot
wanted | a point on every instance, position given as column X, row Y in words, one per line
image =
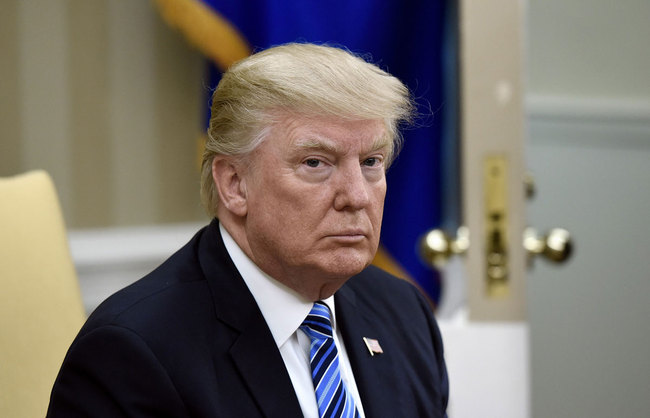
column 318, row 324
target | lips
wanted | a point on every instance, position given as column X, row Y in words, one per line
column 349, row 233
column 348, row 237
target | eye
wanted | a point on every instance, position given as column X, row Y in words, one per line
column 312, row 162
column 371, row 162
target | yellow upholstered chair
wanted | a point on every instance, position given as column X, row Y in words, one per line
column 40, row 303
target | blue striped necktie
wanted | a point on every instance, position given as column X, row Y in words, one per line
column 333, row 398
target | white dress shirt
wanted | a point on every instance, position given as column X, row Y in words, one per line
column 284, row 310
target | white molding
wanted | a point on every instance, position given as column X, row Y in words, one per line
column 588, row 122
column 106, row 246
column 588, row 109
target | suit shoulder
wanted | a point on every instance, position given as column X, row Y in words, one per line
column 171, row 284
column 388, row 296
column 379, row 283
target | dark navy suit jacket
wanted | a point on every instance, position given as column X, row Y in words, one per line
column 188, row 340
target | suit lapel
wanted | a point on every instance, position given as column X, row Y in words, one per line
column 254, row 352
column 374, row 375
column 261, row 366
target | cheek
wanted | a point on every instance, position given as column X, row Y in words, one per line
column 287, row 214
column 378, row 211
column 379, row 196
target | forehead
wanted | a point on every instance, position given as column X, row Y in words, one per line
column 330, row 133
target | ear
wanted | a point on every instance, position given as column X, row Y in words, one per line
column 230, row 184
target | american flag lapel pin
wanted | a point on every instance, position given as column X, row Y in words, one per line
column 373, row 346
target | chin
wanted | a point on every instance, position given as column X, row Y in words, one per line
column 346, row 267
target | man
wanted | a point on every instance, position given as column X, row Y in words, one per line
column 272, row 310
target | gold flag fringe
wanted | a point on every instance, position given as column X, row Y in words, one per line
column 206, row 29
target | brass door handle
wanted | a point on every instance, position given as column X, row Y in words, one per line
column 555, row 246
column 436, row 247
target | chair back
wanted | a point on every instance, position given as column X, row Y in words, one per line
column 41, row 309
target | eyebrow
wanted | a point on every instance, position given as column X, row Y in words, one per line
column 328, row 146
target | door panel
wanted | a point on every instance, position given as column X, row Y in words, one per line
column 492, row 121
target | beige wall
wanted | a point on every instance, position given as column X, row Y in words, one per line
column 107, row 99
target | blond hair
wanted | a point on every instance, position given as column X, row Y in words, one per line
column 297, row 78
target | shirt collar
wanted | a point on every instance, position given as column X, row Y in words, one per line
column 282, row 307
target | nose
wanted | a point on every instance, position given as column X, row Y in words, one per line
column 352, row 189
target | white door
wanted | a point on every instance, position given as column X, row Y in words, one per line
column 589, row 150
column 575, row 341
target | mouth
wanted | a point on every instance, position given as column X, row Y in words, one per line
column 348, row 236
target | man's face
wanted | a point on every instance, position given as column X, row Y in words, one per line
column 315, row 195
